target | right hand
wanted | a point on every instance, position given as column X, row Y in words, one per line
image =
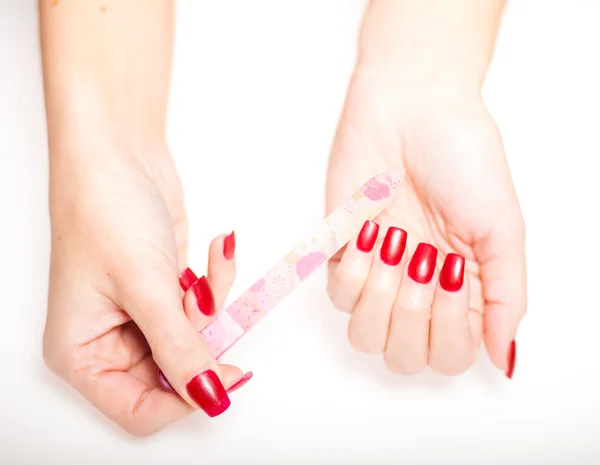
column 116, row 311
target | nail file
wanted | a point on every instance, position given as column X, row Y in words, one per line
column 338, row 228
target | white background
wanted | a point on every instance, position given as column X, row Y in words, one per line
column 256, row 92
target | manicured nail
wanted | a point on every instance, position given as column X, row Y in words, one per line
column 512, row 358
column 229, row 246
column 367, row 236
column 452, row 275
column 393, row 246
column 208, row 392
column 422, row 263
column 243, row 380
column 164, row 382
column 204, row 296
column 187, row 278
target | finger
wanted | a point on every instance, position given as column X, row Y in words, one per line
column 369, row 321
column 453, row 345
column 199, row 303
column 503, row 272
column 221, row 267
column 349, row 275
column 207, row 294
column 408, row 340
column 155, row 305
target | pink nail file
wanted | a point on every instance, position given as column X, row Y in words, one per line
column 340, row 226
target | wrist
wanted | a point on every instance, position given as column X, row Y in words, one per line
column 83, row 133
column 84, row 166
column 434, row 42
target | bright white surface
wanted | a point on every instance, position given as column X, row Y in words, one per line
column 257, row 88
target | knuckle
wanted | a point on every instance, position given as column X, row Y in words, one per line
column 403, row 367
column 169, row 344
column 364, row 343
column 451, row 366
column 413, row 309
column 448, row 369
column 341, row 306
column 340, row 299
column 338, row 303
column 348, row 277
column 379, row 290
column 138, row 429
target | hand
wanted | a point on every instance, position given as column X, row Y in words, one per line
column 427, row 304
column 115, row 310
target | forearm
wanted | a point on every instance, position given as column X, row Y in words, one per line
column 431, row 38
column 106, row 69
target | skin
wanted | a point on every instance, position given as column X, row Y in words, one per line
column 414, row 101
column 108, row 157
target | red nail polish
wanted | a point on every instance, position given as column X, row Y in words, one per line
column 243, row 380
column 187, row 278
column 422, row 263
column 512, row 358
column 164, row 382
column 204, row 296
column 208, row 392
column 229, row 246
column 452, row 275
column 367, row 236
column 393, row 246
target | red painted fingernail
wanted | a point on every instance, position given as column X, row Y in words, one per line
column 187, row 278
column 512, row 358
column 393, row 246
column 452, row 275
column 204, row 296
column 208, row 392
column 422, row 263
column 367, row 236
column 164, row 382
column 229, row 246
column 243, row 380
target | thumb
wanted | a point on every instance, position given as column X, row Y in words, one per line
column 503, row 272
column 154, row 303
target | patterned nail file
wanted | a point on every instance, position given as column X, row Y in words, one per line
column 340, row 226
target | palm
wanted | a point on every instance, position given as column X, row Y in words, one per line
column 455, row 171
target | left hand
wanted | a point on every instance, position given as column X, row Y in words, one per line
column 458, row 202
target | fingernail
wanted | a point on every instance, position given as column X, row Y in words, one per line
column 164, row 382
column 453, row 272
column 204, row 296
column 367, row 236
column 422, row 263
column 187, row 278
column 512, row 358
column 208, row 392
column 243, row 380
column 393, row 246
column 229, row 246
